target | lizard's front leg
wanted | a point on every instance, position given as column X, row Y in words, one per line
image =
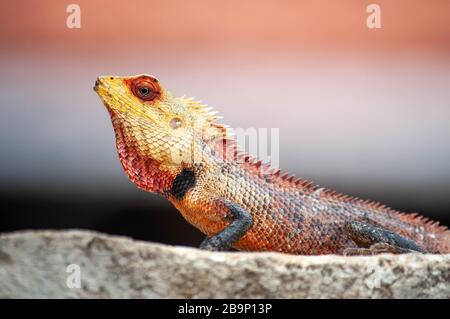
column 372, row 239
column 240, row 224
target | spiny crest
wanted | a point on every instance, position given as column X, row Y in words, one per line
column 419, row 220
column 231, row 151
column 413, row 218
column 201, row 110
column 266, row 171
column 207, row 118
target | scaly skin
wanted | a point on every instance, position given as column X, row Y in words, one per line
column 173, row 146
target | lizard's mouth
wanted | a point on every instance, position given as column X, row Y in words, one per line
column 110, row 92
column 100, row 85
column 97, row 84
column 103, row 91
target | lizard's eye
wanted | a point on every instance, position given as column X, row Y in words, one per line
column 144, row 92
column 145, row 89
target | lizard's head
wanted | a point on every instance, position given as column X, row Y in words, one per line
column 156, row 133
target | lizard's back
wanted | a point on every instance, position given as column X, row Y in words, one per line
column 296, row 216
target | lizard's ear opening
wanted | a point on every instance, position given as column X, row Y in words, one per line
column 145, row 88
column 175, row 123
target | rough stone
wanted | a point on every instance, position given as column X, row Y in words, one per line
column 35, row 265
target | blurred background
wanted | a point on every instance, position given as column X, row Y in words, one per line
column 363, row 111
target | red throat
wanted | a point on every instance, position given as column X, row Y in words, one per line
column 142, row 170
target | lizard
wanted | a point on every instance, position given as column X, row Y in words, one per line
column 177, row 147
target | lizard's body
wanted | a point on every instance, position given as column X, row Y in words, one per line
column 174, row 147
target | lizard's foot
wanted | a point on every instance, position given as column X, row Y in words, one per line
column 357, row 252
column 213, row 244
column 375, row 249
column 384, row 248
column 372, row 239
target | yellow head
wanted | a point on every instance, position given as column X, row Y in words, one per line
column 156, row 133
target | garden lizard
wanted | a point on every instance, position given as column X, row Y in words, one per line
column 176, row 147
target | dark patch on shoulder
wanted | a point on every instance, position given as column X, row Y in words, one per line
column 183, row 182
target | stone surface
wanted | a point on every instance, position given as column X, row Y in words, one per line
column 34, row 265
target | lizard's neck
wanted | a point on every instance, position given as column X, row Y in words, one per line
column 142, row 170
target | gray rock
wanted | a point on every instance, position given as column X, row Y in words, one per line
column 36, row 265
